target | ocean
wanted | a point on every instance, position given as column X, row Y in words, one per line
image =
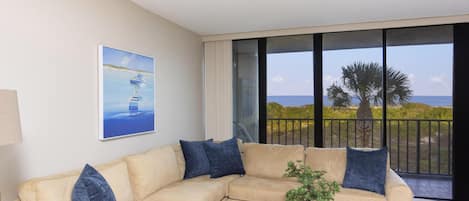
column 122, row 123
column 305, row 100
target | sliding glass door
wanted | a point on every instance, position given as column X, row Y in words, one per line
column 352, row 81
column 420, row 107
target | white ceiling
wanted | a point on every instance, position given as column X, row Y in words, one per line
column 208, row 17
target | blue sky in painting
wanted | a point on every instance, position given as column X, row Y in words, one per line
column 429, row 68
column 127, row 59
column 117, row 89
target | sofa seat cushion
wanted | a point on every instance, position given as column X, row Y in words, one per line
column 226, row 180
column 260, row 189
column 349, row 194
column 193, row 191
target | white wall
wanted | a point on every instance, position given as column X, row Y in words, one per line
column 48, row 52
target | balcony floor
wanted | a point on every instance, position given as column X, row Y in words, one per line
column 424, row 186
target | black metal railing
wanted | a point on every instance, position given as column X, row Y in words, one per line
column 416, row 146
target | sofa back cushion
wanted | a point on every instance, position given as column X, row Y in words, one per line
column 152, row 170
column 180, row 160
column 27, row 191
column 268, row 160
column 331, row 160
column 59, row 187
column 117, row 176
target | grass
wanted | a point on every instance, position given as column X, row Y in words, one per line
column 434, row 137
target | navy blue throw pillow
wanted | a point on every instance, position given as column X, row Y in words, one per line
column 91, row 186
column 196, row 159
column 366, row 170
column 224, row 158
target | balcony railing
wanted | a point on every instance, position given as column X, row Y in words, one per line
column 416, row 146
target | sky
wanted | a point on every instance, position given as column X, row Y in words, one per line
column 429, row 68
column 127, row 59
column 117, row 89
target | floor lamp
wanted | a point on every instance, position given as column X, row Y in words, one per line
column 10, row 126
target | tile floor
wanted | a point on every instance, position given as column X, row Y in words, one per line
column 430, row 187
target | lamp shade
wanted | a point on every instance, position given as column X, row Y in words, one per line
column 10, row 126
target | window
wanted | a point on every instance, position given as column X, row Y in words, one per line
column 412, row 115
column 246, row 90
column 290, row 101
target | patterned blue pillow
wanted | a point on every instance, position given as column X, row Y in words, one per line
column 91, row 186
column 366, row 170
column 196, row 159
column 224, row 158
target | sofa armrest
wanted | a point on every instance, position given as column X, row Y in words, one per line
column 396, row 188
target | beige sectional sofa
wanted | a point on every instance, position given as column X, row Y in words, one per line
column 157, row 175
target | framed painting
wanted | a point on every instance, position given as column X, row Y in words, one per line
column 126, row 93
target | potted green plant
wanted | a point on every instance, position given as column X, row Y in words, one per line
column 314, row 187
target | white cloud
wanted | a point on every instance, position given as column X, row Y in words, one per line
column 328, row 81
column 440, row 80
column 331, row 79
column 278, row 79
column 437, row 79
column 127, row 59
column 411, row 78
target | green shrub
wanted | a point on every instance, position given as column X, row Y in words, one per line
column 314, row 186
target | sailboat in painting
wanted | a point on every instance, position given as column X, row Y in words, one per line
column 137, row 82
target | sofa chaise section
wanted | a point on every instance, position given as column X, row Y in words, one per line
column 334, row 161
column 184, row 191
column 260, row 189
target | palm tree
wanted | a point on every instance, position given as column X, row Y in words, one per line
column 364, row 82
